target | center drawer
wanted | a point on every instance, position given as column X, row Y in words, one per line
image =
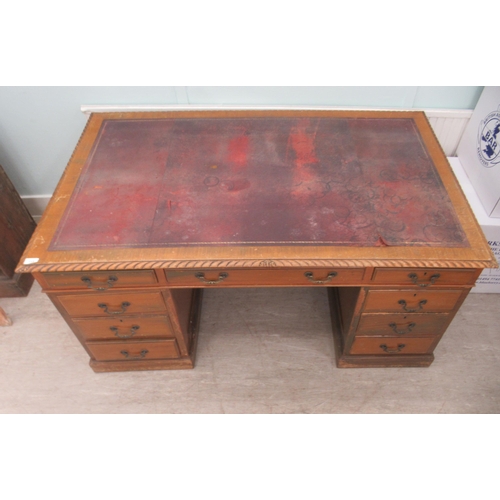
column 111, row 304
column 259, row 277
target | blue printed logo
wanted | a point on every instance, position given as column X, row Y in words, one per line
column 488, row 147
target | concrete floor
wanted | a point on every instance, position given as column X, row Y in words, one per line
column 260, row 351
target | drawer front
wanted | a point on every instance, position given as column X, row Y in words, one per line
column 424, row 277
column 403, row 325
column 112, row 304
column 392, row 346
column 256, row 277
column 127, row 327
column 100, row 280
column 410, row 301
column 133, row 351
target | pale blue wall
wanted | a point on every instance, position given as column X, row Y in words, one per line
column 40, row 126
column 384, row 97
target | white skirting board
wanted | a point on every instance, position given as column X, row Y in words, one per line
column 449, row 125
column 36, row 205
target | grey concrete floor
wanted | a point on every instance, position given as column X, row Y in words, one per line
column 260, row 351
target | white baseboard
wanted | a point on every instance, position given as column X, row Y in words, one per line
column 449, row 125
column 36, row 204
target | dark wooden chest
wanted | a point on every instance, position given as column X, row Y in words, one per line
column 16, row 228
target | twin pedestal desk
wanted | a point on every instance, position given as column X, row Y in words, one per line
column 154, row 207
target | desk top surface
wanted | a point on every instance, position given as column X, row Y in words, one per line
column 163, row 189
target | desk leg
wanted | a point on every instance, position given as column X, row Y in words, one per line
column 4, row 319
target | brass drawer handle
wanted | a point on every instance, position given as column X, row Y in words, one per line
column 141, row 355
column 133, row 331
column 111, row 281
column 329, row 277
column 392, row 351
column 418, row 308
column 201, row 277
column 432, row 280
column 107, row 311
column 409, row 328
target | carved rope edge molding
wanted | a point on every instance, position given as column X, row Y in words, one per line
column 218, row 264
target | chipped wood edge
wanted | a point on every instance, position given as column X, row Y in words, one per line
column 4, row 318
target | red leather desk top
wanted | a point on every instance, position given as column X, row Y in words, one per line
column 258, row 181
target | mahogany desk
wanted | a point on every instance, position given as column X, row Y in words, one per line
column 154, row 207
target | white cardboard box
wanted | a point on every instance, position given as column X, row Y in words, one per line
column 479, row 150
column 489, row 281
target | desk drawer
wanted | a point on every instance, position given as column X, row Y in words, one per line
column 403, row 324
column 112, row 304
column 392, row 346
column 127, row 327
column 133, row 351
column 424, row 278
column 410, row 301
column 256, row 277
column 100, row 280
